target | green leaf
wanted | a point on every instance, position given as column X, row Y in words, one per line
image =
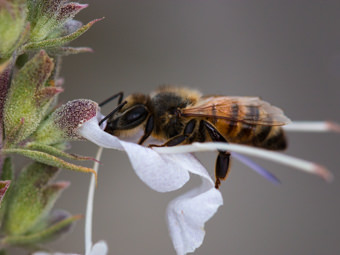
column 12, row 25
column 31, row 198
column 7, row 170
column 50, row 160
column 57, row 42
column 56, row 152
column 45, row 235
column 65, row 51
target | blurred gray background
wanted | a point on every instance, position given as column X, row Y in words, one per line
column 287, row 52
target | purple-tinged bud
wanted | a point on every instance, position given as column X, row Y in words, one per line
column 4, row 185
column 5, row 79
column 63, row 123
column 47, row 17
column 68, row 11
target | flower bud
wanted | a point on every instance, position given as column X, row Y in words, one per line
column 63, row 123
column 29, row 98
column 6, row 176
column 4, row 185
column 12, row 24
column 69, row 27
column 48, row 16
column 5, row 79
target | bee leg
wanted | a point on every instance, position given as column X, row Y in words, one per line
column 222, row 167
column 176, row 140
column 223, row 158
column 179, row 139
column 148, row 130
column 119, row 95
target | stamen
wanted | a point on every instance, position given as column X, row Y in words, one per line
column 312, row 126
column 297, row 163
column 256, row 167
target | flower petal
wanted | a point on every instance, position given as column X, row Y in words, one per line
column 188, row 213
column 162, row 173
column 99, row 248
column 92, row 132
column 54, row 253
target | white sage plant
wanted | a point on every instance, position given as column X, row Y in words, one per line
column 34, row 36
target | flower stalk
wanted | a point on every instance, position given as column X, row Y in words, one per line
column 89, row 206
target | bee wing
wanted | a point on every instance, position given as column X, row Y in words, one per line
column 250, row 110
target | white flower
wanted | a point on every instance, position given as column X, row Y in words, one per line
column 167, row 168
column 188, row 213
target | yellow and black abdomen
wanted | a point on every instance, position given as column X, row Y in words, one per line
column 269, row 137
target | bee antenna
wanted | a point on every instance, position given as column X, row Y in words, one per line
column 120, row 95
column 120, row 106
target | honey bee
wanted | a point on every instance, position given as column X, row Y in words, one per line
column 180, row 116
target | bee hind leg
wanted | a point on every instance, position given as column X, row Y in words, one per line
column 222, row 167
column 223, row 158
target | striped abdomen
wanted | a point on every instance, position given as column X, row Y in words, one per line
column 265, row 136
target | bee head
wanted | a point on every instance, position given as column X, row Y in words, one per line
column 131, row 113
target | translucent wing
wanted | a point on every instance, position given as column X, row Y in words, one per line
column 250, row 110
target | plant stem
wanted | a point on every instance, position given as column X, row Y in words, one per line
column 89, row 207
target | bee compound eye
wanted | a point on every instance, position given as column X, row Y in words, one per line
column 134, row 116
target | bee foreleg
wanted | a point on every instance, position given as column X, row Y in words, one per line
column 223, row 159
column 148, row 129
